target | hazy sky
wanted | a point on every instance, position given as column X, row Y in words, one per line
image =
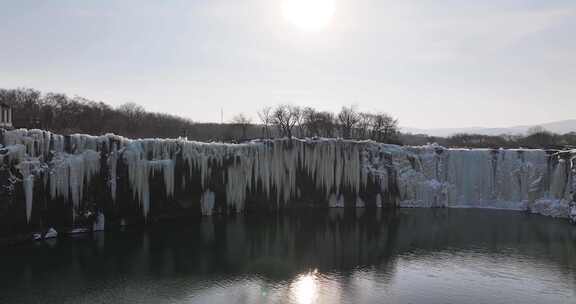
column 431, row 63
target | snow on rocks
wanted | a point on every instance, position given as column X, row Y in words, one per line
column 50, row 234
column 552, row 207
column 36, row 142
column 572, row 212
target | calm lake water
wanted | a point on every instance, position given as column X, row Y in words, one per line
column 405, row 256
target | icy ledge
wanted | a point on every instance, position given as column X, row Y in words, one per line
column 537, row 181
column 336, row 172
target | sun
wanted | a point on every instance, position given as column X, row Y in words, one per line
column 309, row 15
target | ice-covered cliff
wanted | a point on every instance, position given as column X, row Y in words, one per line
column 53, row 180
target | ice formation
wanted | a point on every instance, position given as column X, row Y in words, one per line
column 340, row 172
column 532, row 180
column 207, row 202
column 27, row 169
column 100, row 222
column 52, row 233
column 70, row 173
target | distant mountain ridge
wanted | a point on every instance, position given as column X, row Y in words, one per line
column 560, row 127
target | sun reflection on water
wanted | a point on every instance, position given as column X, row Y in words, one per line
column 304, row 290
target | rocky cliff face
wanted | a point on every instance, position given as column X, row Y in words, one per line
column 50, row 180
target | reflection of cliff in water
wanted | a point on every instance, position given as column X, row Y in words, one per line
column 340, row 241
column 277, row 247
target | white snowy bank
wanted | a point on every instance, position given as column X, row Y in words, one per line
column 341, row 173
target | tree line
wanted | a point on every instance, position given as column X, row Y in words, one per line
column 535, row 138
column 349, row 123
column 62, row 114
column 65, row 115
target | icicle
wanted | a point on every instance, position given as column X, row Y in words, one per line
column 336, row 201
column 559, row 179
column 26, row 168
column 112, row 167
column 207, row 202
column 70, row 173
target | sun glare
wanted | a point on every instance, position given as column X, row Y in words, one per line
column 305, row 288
column 309, row 15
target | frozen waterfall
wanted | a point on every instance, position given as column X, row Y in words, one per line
column 156, row 174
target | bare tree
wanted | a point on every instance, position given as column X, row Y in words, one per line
column 132, row 109
column 317, row 123
column 384, row 128
column 539, row 137
column 535, row 130
column 267, row 119
column 391, row 128
column 285, row 118
column 134, row 114
column 364, row 124
column 310, row 122
column 243, row 122
column 326, row 122
column 348, row 118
